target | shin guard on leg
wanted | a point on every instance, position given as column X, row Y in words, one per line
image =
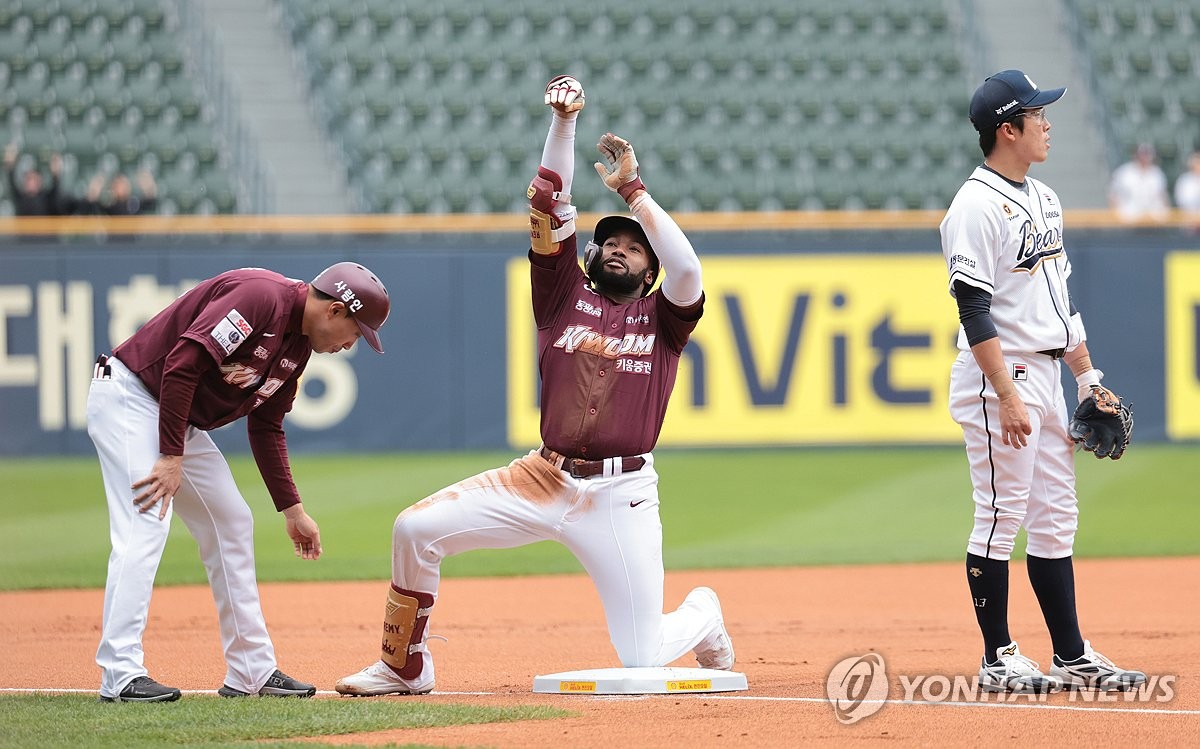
column 404, row 623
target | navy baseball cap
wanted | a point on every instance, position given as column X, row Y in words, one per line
column 1004, row 95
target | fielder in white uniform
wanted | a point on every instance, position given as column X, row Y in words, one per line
column 609, row 348
column 1003, row 242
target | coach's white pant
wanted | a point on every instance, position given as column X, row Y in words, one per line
column 123, row 423
column 1033, row 486
column 611, row 525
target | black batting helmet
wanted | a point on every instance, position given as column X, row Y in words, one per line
column 605, row 228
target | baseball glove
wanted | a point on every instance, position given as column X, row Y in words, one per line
column 1102, row 424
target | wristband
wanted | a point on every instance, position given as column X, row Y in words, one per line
column 1089, row 378
column 1086, row 381
column 629, row 188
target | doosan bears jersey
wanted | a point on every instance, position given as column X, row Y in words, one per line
column 249, row 322
column 607, row 369
column 1008, row 241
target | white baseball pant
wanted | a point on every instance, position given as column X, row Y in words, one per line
column 1032, row 487
column 610, row 524
column 122, row 419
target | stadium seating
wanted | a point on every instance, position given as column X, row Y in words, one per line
column 1145, row 74
column 434, row 107
column 763, row 104
column 103, row 82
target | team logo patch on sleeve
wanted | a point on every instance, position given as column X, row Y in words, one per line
column 1020, row 372
column 231, row 331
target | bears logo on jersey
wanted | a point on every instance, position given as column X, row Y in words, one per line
column 1037, row 246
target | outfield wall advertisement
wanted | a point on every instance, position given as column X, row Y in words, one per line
column 1182, row 306
column 792, row 350
column 439, row 386
column 841, row 346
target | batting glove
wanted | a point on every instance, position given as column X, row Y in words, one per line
column 565, row 94
column 621, row 173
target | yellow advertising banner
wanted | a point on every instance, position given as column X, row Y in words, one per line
column 1181, row 272
column 837, row 349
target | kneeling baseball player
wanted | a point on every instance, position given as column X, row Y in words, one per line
column 609, row 349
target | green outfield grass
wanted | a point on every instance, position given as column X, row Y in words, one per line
column 728, row 508
column 75, row 720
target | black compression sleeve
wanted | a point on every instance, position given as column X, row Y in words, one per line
column 974, row 312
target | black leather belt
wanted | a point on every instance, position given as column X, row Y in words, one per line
column 586, row 469
column 1054, row 353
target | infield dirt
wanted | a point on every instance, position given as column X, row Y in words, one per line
column 789, row 626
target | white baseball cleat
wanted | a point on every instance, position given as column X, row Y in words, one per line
column 379, row 679
column 1013, row 672
column 716, row 650
column 1093, row 671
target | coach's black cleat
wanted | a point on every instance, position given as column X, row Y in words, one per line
column 144, row 689
column 279, row 685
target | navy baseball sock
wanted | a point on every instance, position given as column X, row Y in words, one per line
column 988, row 579
column 1053, row 583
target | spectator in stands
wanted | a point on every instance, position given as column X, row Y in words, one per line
column 1138, row 190
column 122, row 201
column 1187, row 187
column 29, row 197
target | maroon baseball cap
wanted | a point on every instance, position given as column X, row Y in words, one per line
column 363, row 294
column 1002, row 96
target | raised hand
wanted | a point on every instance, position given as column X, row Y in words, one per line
column 565, row 94
column 620, row 173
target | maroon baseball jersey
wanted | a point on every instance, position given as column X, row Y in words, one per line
column 248, row 321
column 607, row 369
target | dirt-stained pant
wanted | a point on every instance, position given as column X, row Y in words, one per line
column 610, row 524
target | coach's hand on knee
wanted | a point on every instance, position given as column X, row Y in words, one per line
column 161, row 485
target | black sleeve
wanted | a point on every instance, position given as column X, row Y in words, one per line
column 974, row 311
column 1071, row 304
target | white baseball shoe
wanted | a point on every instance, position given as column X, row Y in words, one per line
column 1013, row 672
column 716, row 650
column 379, row 679
column 1093, row 671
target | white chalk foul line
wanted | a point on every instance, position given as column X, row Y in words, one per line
column 949, row 703
column 744, row 697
